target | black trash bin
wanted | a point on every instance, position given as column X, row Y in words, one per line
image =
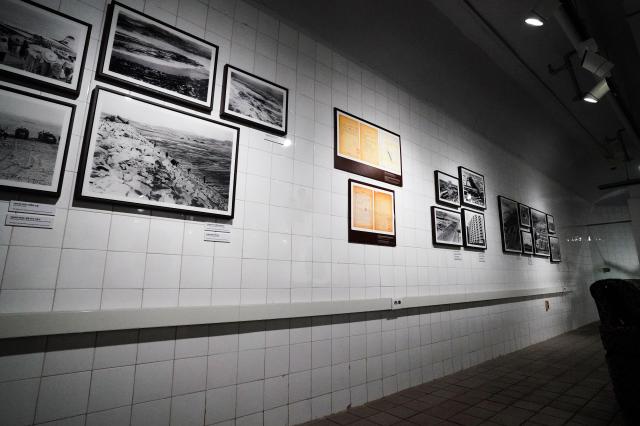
column 618, row 303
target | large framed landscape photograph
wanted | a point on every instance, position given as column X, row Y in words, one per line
column 372, row 214
column 539, row 222
column 509, row 225
column 446, row 227
column 34, row 139
column 541, row 244
column 472, row 187
column 365, row 149
column 42, row 48
column 254, row 101
column 139, row 153
column 149, row 56
column 447, row 189
column 475, row 231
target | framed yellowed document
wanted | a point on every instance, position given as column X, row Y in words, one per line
column 365, row 149
column 372, row 218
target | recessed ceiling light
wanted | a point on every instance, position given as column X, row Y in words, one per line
column 534, row 19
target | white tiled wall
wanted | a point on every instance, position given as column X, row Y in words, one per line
column 289, row 245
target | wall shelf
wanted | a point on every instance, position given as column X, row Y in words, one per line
column 66, row 322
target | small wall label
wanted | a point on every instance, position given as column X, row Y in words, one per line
column 29, row 220
column 32, row 208
column 217, row 232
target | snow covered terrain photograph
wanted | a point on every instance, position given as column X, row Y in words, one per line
column 41, row 44
column 254, row 101
column 158, row 57
column 142, row 153
column 33, row 138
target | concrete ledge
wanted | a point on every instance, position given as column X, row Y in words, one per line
column 66, row 322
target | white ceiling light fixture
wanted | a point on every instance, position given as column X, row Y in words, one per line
column 598, row 91
column 534, row 19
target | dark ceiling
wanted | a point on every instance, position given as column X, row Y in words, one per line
column 479, row 63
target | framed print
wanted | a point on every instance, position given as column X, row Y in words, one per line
column 34, row 139
column 367, row 150
column 147, row 55
column 446, row 227
column 473, row 189
column 554, row 247
column 372, row 214
column 525, row 215
column 475, row 231
column 254, row 101
column 527, row 242
column 447, row 189
column 540, row 244
column 539, row 222
column 139, row 153
column 42, row 48
column 509, row 225
column 551, row 224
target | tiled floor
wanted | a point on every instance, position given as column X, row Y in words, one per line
column 563, row 380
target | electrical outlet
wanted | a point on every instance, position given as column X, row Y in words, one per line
column 546, row 305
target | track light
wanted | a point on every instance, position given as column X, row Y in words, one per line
column 534, row 19
column 598, row 91
column 596, row 64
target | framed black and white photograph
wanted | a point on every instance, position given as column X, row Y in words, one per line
column 446, row 227
column 525, row 215
column 551, row 224
column 366, row 149
column 34, row 139
column 540, row 244
column 372, row 214
column 447, row 189
column 254, row 101
column 539, row 222
column 475, row 231
column 42, row 48
column 472, row 187
column 149, row 56
column 527, row 242
column 143, row 154
column 554, row 247
column 509, row 225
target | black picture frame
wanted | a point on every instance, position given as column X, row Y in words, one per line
column 361, row 235
column 524, row 213
column 551, row 224
column 455, row 202
column 351, row 164
column 171, row 173
column 527, row 241
column 478, row 228
column 456, row 242
column 47, row 58
column 105, row 74
column 539, row 221
column 228, row 114
column 466, row 197
column 509, row 225
column 541, row 244
column 555, row 255
column 9, row 104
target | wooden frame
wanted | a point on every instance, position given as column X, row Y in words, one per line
column 368, row 222
column 456, row 241
column 261, row 93
column 43, row 61
column 541, row 244
column 539, row 221
column 524, row 213
column 178, row 47
column 476, row 189
column 527, row 247
column 23, row 162
column 349, row 133
column 187, row 165
column 455, row 198
column 551, row 224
